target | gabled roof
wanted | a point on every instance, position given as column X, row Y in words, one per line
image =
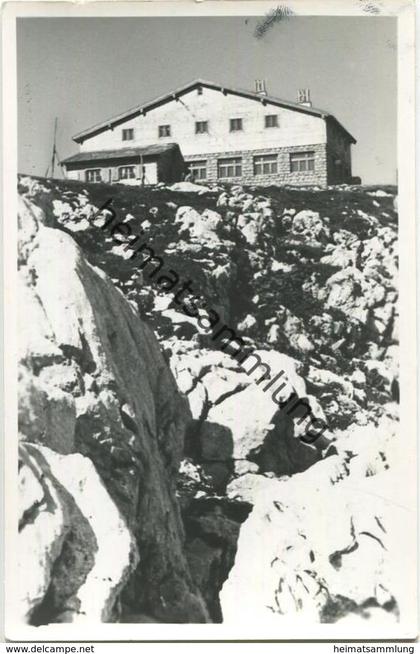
column 148, row 106
column 121, row 153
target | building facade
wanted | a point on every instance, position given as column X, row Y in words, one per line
column 129, row 165
column 230, row 135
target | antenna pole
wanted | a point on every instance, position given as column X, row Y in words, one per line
column 54, row 152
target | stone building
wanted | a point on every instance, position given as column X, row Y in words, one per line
column 228, row 135
column 149, row 164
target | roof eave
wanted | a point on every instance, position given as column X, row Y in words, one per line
column 104, row 155
column 132, row 113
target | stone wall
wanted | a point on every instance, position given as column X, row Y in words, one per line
column 283, row 175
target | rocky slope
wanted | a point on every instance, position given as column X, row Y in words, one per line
column 127, row 401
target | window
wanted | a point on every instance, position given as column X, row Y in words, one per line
column 201, row 127
column 93, row 175
column 164, row 130
column 271, row 120
column 236, row 124
column 198, row 169
column 126, row 172
column 127, row 134
column 302, row 161
column 265, row 164
column 200, row 90
column 231, row 167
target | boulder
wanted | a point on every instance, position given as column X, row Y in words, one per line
column 74, row 574
column 317, row 539
column 201, row 226
column 189, row 187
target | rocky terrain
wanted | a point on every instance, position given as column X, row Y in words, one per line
column 159, row 481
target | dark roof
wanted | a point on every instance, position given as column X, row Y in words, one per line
column 148, row 106
column 121, row 153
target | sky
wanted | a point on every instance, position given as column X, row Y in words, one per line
column 85, row 70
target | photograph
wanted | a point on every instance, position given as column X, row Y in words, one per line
column 210, row 334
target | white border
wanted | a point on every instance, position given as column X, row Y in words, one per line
column 404, row 11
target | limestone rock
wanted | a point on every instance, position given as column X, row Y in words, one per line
column 309, row 282
column 128, row 418
column 75, row 575
column 189, row 187
column 328, row 555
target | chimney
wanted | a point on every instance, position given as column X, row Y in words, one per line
column 260, row 87
column 304, row 97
